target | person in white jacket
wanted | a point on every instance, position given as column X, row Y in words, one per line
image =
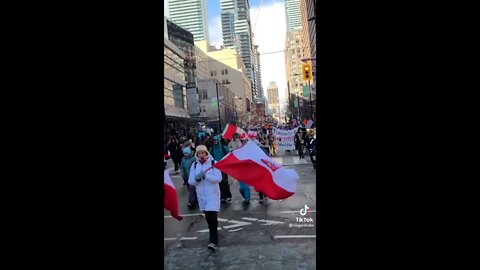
column 206, row 180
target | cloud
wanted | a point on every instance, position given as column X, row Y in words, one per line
column 215, row 31
column 269, row 27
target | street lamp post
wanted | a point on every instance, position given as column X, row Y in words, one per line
column 235, row 114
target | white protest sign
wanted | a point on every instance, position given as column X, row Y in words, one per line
column 285, row 139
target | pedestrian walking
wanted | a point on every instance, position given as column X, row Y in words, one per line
column 185, row 167
column 265, row 147
column 206, row 180
column 175, row 152
column 218, row 151
column 244, row 188
column 300, row 142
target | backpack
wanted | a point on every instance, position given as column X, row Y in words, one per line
column 195, row 164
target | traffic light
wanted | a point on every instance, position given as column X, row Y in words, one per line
column 307, row 71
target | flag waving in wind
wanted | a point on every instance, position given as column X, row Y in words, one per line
column 250, row 165
column 170, row 200
column 231, row 129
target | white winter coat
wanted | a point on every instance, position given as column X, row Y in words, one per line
column 208, row 189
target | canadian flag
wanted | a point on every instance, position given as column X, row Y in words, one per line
column 231, row 129
column 250, row 165
column 170, row 200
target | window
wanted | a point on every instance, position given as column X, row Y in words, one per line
column 213, row 73
column 226, row 71
column 202, row 94
column 223, row 72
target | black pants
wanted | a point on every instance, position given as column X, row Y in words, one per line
column 225, row 187
column 211, row 217
column 261, row 195
column 176, row 162
column 300, row 151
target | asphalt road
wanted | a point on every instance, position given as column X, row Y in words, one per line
column 272, row 235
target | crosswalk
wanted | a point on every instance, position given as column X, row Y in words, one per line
column 290, row 160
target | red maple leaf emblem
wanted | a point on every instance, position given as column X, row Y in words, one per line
column 273, row 166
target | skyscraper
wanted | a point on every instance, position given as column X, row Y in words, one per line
column 294, row 51
column 228, row 16
column 273, row 101
column 293, row 14
column 190, row 15
column 237, row 32
column 309, row 28
column 258, row 71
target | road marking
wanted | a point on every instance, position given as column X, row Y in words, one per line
column 169, row 239
column 286, row 212
column 248, row 218
column 236, row 224
column 187, row 215
column 206, row 230
column 222, row 219
column 236, row 230
column 270, row 221
column 297, row 160
column 294, row 236
column 188, row 238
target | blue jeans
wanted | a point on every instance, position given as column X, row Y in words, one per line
column 245, row 191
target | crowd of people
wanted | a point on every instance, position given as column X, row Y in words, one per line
column 207, row 186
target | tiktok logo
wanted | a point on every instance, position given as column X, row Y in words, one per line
column 304, row 210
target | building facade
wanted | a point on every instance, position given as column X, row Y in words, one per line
column 228, row 16
column 190, row 15
column 174, row 89
column 183, row 39
column 258, row 71
column 226, row 65
column 201, row 64
column 293, row 14
column 237, row 32
column 309, row 42
column 293, row 68
column 209, row 103
column 307, row 9
column 273, row 101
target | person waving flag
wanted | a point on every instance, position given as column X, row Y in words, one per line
column 249, row 164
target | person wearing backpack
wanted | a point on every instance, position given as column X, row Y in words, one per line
column 218, row 151
column 205, row 178
column 185, row 166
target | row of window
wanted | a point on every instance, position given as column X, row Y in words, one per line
column 214, row 72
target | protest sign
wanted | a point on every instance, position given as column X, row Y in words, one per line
column 285, row 139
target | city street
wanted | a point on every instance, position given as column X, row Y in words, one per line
column 272, row 235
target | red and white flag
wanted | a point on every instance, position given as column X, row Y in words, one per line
column 249, row 164
column 231, row 129
column 170, row 200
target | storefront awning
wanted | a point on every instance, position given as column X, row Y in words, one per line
column 176, row 112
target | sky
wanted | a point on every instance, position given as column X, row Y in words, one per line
column 269, row 27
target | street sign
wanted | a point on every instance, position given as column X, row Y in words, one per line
column 191, row 85
column 306, row 91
